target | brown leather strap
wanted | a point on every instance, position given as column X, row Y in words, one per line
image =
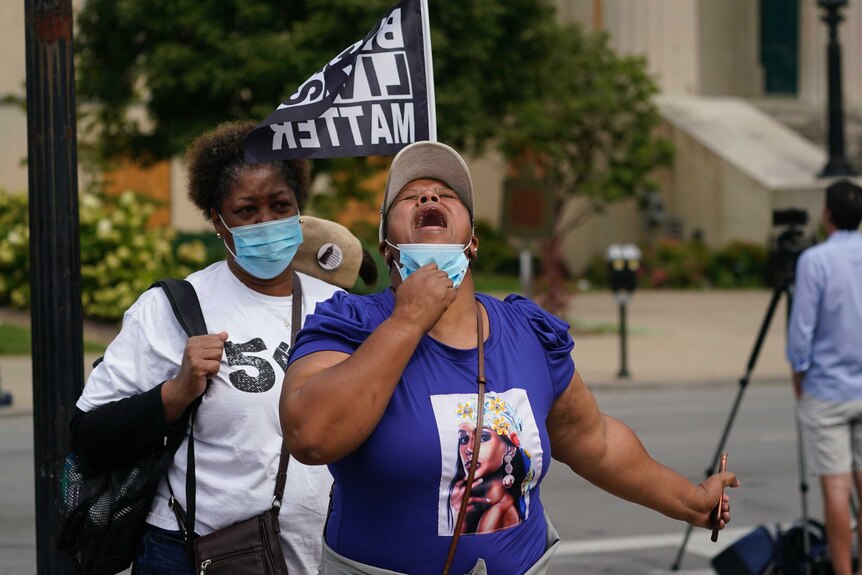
column 296, row 321
column 477, row 442
column 284, row 459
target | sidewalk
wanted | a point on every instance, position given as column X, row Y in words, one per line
column 16, row 372
column 681, row 337
column 675, row 338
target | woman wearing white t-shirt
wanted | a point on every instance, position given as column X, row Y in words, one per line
column 152, row 372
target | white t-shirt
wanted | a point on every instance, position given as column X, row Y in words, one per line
column 237, row 429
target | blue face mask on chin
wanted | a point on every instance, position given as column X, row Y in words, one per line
column 449, row 257
column 266, row 249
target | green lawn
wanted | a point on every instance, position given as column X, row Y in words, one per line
column 486, row 283
column 15, row 340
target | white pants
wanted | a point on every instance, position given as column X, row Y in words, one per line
column 335, row 564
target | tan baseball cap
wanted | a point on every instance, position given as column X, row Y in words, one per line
column 432, row 160
column 328, row 252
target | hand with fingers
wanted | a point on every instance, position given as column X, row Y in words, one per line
column 712, row 489
column 424, row 296
column 201, row 360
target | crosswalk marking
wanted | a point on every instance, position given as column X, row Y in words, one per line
column 698, row 544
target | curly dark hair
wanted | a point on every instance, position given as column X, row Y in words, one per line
column 216, row 158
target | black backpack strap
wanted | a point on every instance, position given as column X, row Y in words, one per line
column 184, row 301
column 187, row 309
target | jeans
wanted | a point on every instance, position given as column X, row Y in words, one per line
column 162, row 552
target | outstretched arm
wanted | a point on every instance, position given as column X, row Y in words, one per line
column 606, row 452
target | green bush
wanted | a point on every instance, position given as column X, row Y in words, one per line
column 692, row 265
column 496, row 254
column 739, row 265
column 120, row 255
column 213, row 245
column 676, row 264
column 14, row 250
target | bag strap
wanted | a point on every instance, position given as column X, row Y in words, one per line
column 477, row 442
column 284, row 459
column 187, row 309
column 186, row 519
column 185, row 304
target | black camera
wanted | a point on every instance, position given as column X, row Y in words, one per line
column 832, row 3
column 786, row 245
column 789, row 217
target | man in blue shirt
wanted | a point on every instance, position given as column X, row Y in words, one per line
column 824, row 347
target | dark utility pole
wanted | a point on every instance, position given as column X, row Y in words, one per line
column 55, row 268
column 837, row 164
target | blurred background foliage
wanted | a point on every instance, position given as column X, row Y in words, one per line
column 120, row 254
column 553, row 99
column 672, row 263
column 183, row 66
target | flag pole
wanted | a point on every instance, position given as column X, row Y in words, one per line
column 429, row 71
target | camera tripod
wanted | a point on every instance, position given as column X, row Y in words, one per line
column 782, row 288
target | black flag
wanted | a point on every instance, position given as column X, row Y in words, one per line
column 373, row 98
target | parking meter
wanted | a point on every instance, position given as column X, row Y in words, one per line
column 623, row 265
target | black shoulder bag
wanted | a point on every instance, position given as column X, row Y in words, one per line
column 252, row 546
column 103, row 510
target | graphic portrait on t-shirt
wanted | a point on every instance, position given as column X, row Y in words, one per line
column 510, row 460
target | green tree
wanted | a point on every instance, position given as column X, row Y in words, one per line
column 505, row 73
column 190, row 64
column 589, row 129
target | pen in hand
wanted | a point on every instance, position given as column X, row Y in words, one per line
column 721, row 468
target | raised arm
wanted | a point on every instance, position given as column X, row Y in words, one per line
column 331, row 401
column 606, row 452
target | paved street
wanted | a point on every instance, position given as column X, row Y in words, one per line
column 681, row 427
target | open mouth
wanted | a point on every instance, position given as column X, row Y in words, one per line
column 429, row 217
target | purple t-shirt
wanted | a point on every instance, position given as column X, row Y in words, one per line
column 396, row 495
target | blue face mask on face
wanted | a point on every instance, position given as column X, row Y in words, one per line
column 266, row 249
column 449, row 257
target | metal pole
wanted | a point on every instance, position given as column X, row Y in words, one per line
column 837, row 164
column 743, row 385
column 55, row 273
column 624, row 372
column 789, row 287
column 525, row 260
